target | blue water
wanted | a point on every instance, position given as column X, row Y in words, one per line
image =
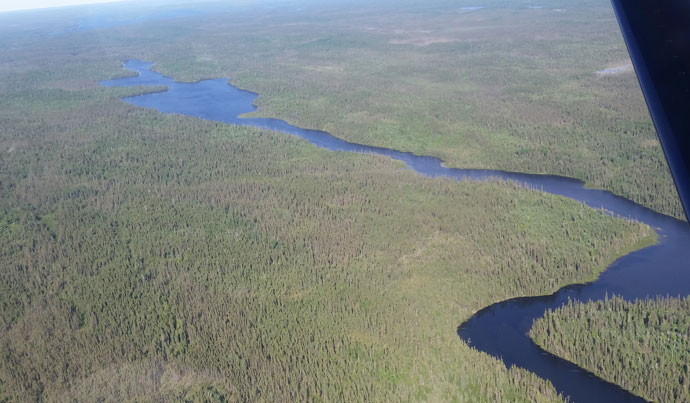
column 500, row 329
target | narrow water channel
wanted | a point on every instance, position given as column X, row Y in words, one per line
column 500, row 329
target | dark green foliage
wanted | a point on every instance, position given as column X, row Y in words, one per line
column 642, row 346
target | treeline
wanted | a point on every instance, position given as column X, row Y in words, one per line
column 641, row 346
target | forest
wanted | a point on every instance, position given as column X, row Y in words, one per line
column 154, row 257
column 506, row 87
column 641, row 345
column 166, row 258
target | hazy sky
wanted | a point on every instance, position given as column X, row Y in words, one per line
column 9, row 5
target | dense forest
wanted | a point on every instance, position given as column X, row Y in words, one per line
column 156, row 257
column 641, row 345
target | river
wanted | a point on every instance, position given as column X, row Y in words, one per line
column 500, row 329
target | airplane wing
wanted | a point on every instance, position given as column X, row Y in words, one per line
column 657, row 34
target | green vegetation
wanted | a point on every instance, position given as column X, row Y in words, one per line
column 165, row 254
column 156, row 257
column 641, row 345
column 159, row 255
column 505, row 87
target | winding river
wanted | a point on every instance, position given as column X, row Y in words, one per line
column 500, row 329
